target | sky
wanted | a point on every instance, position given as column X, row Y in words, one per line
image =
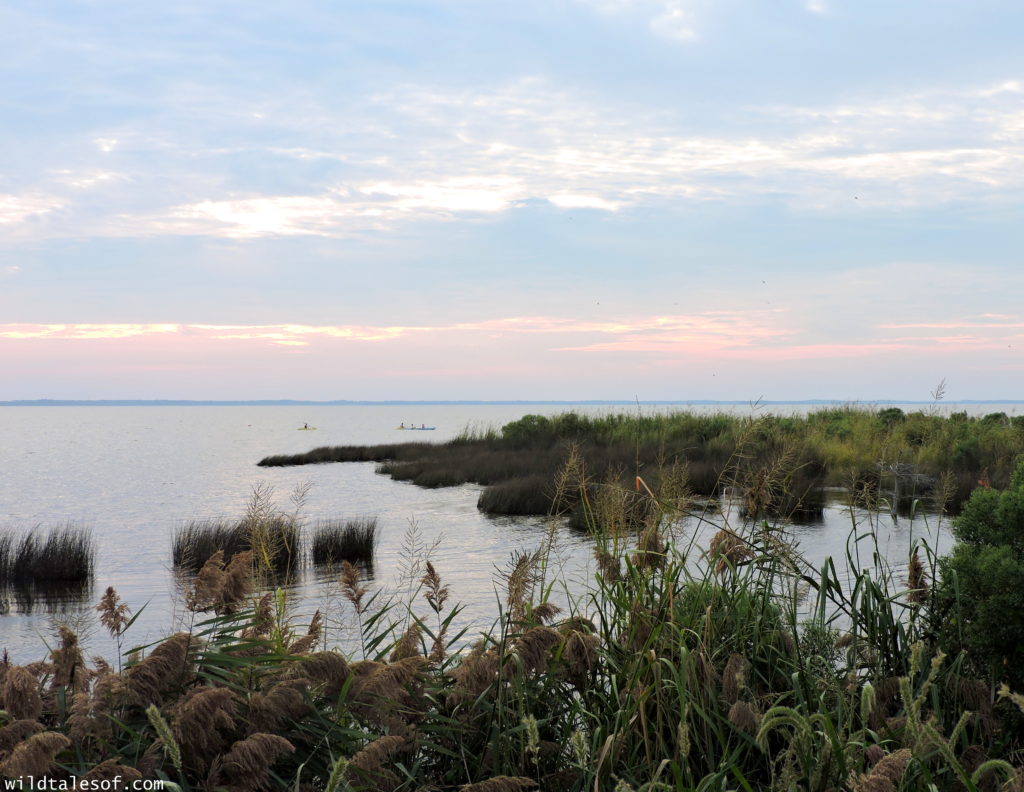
column 537, row 199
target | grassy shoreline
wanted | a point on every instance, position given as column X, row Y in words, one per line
column 733, row 666
column 931, row 454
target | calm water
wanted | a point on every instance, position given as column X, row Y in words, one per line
column 135, row 474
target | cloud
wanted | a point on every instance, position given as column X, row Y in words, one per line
column 674, row 19
column 16, row 209
column 654, row 333
column 416, row 152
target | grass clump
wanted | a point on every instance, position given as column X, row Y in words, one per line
column 62, row 555
column 273, row 536
column 334, row 541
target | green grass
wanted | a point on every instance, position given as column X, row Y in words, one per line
column 846, row 446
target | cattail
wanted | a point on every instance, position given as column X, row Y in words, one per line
column 114, row 614
column 917, row 581
column 247, row 764
column 108, row 771
column 436, row 593
column 500, row 784
column 34, row 756
column 350, row 587
column 20, row 694
column 886, row 775
column 162, row 669
column 16, row 731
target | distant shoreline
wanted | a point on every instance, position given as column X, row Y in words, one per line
column 442, row 402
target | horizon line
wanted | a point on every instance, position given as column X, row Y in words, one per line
column 469, row 402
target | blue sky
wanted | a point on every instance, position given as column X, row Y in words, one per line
column 594, row 199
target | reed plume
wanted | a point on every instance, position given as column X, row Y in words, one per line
column 114, row 614
column 16, row 731
column 283, row 702
column 246, row 766
column 69, row 669
column 917, row 582
column 201, row 723
column 309, row 640
column 109, row 771
column 162, row 669
column 886, row 775
column 20, row 694
column 366, row 768
column 534, row 648
column 519, row 582
column 327, row 670
column 350, row 587
column 435, row 593
column 729, row 550
column 34, row 756
column 500, row 784
column 408, row 645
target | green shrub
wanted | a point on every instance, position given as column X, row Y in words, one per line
column 980, row 602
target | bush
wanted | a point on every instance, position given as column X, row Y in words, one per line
column 980, row 603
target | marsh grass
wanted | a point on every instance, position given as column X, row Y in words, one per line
column 334, row 541
column 823, row 448
column 60, row 556
column 273, row 536
column 713, row 659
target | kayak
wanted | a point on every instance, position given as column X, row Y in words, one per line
column 307, row 428
column 418, row 428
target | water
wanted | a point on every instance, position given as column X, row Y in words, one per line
column 135, row 474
